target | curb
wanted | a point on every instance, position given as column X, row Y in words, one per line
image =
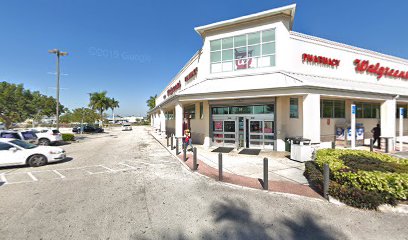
column 235, row 185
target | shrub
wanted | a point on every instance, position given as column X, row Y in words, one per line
column 68, row 137
column 347, row 194
column 367, row 171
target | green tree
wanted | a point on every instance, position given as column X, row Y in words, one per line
column 17, row 104
column 151, row 102
column 112, row 105
column 78, row 115
column 100, row 102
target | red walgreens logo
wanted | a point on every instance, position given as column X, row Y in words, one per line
column 174, row 88
column 191, row 74
column 380, row 71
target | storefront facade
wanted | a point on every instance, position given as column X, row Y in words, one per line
column 255, row 82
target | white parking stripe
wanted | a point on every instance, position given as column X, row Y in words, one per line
column 109, row 169
column 58, row 173
column 3, row 178
column 32, row 176
column 131, row 167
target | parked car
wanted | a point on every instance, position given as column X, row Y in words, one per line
column 17, row 152
column 88, row 129
column 2, row 126
column 47, row 137
column 126, row 127
column 28, row 136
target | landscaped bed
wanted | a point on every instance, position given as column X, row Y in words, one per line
column 359, row 178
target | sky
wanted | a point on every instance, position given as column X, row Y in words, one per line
column 132, row 49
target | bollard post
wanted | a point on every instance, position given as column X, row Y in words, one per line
column 326, row 180
column 167, row 139
column 265, row 174
column 220, row 166
column 194, row 158
column 177, row 146
column 386, row 145
column 184, row 152
column 171, row 142
column 371, row 145
column 334, row 142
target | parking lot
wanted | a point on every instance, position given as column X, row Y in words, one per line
column 124, row 185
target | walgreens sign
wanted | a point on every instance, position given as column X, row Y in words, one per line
column 377, row 69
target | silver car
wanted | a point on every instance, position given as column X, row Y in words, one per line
column 27, row 136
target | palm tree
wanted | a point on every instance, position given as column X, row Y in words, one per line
column 112, row 105
column 98, row 101
column 151, row 103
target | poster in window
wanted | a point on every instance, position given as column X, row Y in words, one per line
column 242, row 60
column 218, row 126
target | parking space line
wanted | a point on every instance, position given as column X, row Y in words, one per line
column 126, row 165
column 58, row 173
column 32, row 176
column 109, row 169
column 3, row 178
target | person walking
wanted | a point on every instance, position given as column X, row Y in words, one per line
column 187, row 140
column 376, row 135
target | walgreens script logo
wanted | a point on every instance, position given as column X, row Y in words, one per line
column 380, row 71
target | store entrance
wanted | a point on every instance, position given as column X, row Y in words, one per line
column 244, row 132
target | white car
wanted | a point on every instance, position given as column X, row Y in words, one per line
column 48, row 136
column 17, row 152
column 126, row 127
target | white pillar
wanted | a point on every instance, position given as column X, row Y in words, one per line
column 151, row 120
column 388, row 121
column 162, row 122
column 401, row 127
column 311, row 117
column 353, row 126
column 178, row 120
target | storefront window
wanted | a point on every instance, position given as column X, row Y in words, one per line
column 229, row 126
column 219, row 110
column 405, row 107
column 367, row 110
column 169, row 115
column 294, row 108
column 257, row 109
column 332, row 109
column 268, row 128
column 201, row 110
column 218, row 126
column 241, row 110
column 245, row 51
column 255, row 127
column 189, row 111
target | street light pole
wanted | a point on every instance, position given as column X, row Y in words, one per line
column 58, row 53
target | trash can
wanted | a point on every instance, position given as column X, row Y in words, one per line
column 301, row 150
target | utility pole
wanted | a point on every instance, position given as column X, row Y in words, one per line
column 58, row 53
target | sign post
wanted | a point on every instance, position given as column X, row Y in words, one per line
column 353, row 126
column 401, row 127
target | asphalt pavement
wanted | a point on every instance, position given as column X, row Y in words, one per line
column 125, row 185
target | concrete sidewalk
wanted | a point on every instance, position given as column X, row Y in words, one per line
column 284, row 175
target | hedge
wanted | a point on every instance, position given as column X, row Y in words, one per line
column 68, row 137
column 347, row 194
column 367, row 171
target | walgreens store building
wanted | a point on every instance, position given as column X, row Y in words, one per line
column 255, row 82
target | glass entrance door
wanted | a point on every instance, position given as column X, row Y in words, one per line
column 255, row 134
column 224, row 132
column 261, row 134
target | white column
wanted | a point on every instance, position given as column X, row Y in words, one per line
column 311, row 117
column 207, row 128
column 151, row 120
column 178, row 120
column 353, row 126
column 401, row 127
column 388, row 121
column 162, row 122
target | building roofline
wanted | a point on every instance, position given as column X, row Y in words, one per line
column 272, row 12
column 349, row 47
